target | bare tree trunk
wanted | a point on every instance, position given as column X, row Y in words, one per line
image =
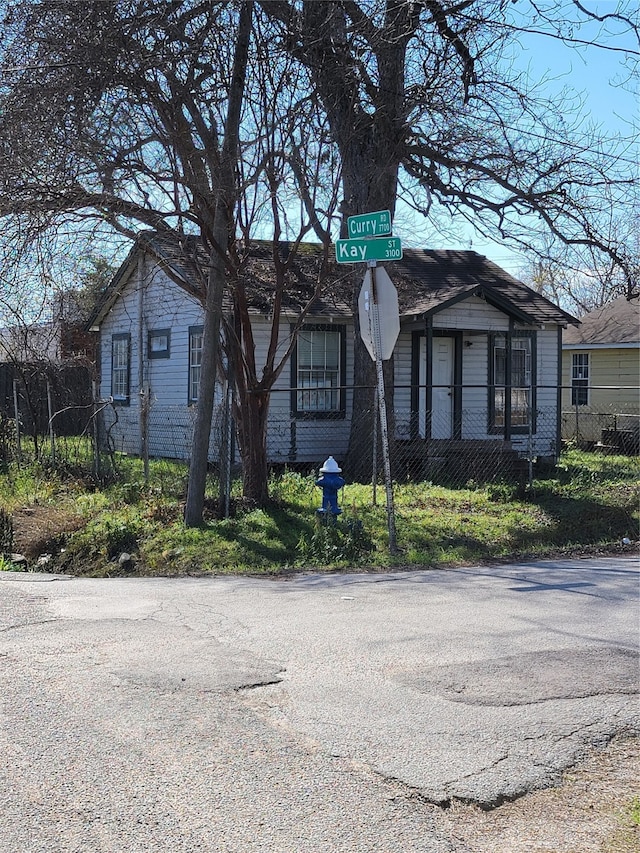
column 252, row 428
column 222, row 232
column 370, row 147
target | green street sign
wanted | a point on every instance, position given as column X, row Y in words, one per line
column 374, row 224
column 375, row 249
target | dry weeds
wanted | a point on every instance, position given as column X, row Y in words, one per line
column 590, row 812
column 38, row 529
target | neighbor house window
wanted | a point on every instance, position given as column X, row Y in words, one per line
column 580, row 379
column 159, row 343
column 120, row 367
column 511, row 381
column 318, row 371
column 195, row 362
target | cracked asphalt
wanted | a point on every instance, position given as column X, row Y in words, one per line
column 316, row 713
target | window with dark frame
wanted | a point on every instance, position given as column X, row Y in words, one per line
column 159, row 343
column 318, row 371
column 580, row 379
column 521, row 380
column 120, row 368
column 195, row 363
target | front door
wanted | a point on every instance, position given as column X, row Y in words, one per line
column 442, row 392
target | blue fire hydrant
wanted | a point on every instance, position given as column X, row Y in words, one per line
column 331, row 482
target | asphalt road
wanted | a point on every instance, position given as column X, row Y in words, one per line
column 318, row 713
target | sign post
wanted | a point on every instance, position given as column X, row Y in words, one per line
column 376, row 336
column 370, row 242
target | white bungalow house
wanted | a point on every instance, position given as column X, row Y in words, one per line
column 477, row 360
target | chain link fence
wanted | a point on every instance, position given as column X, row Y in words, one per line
column 44, row 409
column 466, row 442
column 456, row 445
column 604, row 418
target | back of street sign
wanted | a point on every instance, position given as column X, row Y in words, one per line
column 388, row 316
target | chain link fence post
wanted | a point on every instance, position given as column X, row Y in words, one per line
column 16, row 415
column 51, row 414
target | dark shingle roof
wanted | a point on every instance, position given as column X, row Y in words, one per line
column 618, row 322
column 434, row 279
column 427, row 280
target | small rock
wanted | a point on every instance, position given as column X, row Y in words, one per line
column 125, row 561
column 44, row 560
column 19, row 559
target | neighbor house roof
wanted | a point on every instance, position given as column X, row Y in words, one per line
column 615, row 324
column 427, row 280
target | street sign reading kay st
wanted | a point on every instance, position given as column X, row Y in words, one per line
column 368, row 249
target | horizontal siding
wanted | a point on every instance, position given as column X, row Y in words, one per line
column 547, row 369
column 168, row 307
column 472, row 314
column 616, row 369
column 402, row 378
column 165, row 306
column 475, row 360
column 302, row 440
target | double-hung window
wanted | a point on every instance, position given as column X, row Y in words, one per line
column 195, row 363
column 318, row 371
column 512, row 381
column 120, row 368
column 580, row 379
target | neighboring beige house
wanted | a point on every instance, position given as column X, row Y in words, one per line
column 601, row 375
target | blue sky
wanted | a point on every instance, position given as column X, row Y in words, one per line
column 598, row 75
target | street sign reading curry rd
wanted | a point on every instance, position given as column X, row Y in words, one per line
column 368, row 249
column 375, row 224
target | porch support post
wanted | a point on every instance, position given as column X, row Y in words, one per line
column 414, row 424
column 559, row 398
column 508, row 380
column 428, row 353
column 457, row 386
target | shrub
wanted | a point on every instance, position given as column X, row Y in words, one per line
column 336, row 541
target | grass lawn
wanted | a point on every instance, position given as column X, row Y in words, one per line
column 589, row 505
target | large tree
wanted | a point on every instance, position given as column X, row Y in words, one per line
column 174, row 117
column 425, row 102
column 128, row 118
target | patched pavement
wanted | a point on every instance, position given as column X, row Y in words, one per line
column 321, row 712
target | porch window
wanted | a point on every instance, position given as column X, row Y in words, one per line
column 318, row 371
column 512, row 381
column 580, row 379
column 195, row 363
column 120, row 368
